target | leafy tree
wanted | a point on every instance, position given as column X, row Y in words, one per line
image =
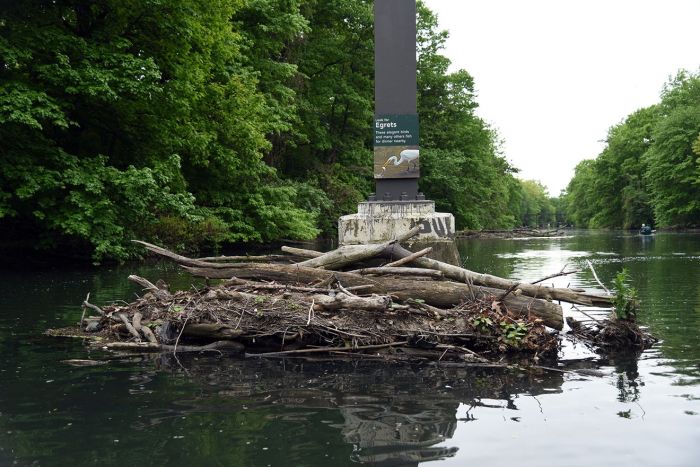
column 125, row 117
column 673, row 172
column 462, row 169
column 537, row 208
column 580, row 198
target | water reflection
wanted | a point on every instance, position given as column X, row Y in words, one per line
column 390, row 415
column 214, row 411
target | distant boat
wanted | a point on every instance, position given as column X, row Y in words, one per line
column 646, row 230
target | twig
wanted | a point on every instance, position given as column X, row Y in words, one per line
column 82, row 317
column 510, row 289
column 311, row 312
column 409, row 258
column 179, row 335
column 590, row 265
column 560, row 273
column 344, row 290
column 462, row 349
column 93, row 307
column 586, row 314
column 327, row 349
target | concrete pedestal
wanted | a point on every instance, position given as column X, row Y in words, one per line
column 380, row 221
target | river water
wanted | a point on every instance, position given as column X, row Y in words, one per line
column 641, row 410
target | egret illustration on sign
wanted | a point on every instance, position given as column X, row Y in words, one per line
column 396, row 162
column 396, row 150
column 407, row 156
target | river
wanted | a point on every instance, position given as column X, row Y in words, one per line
column 641, row 410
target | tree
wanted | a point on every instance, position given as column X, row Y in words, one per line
column 462, row 169
column 673, row 172
column 135, row 118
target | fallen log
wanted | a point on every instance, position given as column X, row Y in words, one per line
column 351, row 302
column 487, row 280
column 302, row 252
column 443, row 294
column 218, row 346
column 211, row 331
column 446, row 294
column 349, row 254
column 399, row 271
column 393, row 250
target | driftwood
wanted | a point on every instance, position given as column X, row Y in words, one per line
column 321, row 305
column 436, row 293
column 219, row 346
column 409, row 258
column 351, row 302
column 399, row 271
column 350, row 254
column 301, row 252
column 145, row 330
column 487, row 280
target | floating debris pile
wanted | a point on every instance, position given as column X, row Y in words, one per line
column 377, row 300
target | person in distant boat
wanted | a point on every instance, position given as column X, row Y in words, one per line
column 645, row 230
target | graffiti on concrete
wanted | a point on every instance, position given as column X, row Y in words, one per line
column 439, row 226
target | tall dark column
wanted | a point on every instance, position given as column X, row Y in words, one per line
column 396, row 143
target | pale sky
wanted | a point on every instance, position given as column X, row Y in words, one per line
column 553, row 76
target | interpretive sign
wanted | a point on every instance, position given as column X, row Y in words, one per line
column 396, row 150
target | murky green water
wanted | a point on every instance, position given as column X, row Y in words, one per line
column 211, row 411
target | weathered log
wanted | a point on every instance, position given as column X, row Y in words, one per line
column 398, row 271
column 352, row 302
column 444, row 294
column 280, row 272
column 150, row 286
column 145, row 330
column 211, row 331
column 408, row 259
column 218, row 346
column 129, row 327
column 487, row 280
column 184, row 260
column 301, row 252
column 247, row 258
column 349, row 254
column 346, row 255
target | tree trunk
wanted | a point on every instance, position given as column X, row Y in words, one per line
column 444, row 294
column 531, row 290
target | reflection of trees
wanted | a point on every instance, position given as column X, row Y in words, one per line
column 628, row 380
column 481, row 255
column 390, row 414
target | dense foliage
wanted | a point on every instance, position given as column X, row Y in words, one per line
column 649, row 171
column 192, row 123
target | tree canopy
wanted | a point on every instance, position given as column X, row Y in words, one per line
column 192, row 123
column 649, row 171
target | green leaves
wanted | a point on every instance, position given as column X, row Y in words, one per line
column 625, row 302
column 648, row 172
column 461, row 167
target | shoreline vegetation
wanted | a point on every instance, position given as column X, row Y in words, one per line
column 201, row 126
column 375, row 301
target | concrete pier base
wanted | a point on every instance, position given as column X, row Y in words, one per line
column 381, row 221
